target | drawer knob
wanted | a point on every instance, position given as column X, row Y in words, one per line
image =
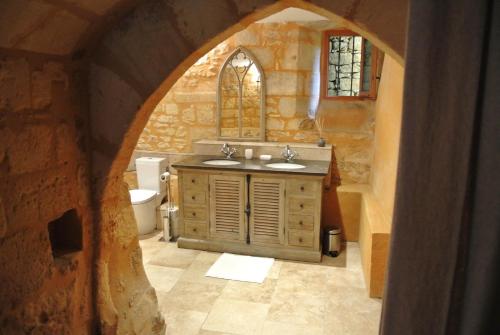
column 300, row 222
column 300, row 239
column 301, row 206
column 192, row 180
column 194, row 213
column 302, row 188
column 195, row 230
column 193, row 197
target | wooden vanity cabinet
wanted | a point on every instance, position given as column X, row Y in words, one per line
column 267, row 209
column 227, row 204
column 303, row 213
column 284, row 221
column 194, row 205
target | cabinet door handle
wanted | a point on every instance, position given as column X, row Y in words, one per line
column 192, row 180
column 302, row 188
column 300, row 239
column 194, row 213
column 195, row 230
column 301, row 206
column 193, row 197
column 300, row 222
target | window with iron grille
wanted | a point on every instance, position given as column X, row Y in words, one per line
column 349, row 66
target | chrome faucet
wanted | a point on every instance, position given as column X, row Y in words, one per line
column 228, row 151
column 288, row 154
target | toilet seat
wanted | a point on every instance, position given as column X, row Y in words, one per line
column 141, row 196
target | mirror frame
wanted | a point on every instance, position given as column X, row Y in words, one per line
column 262, row 136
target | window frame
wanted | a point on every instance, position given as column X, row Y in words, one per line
column 372, row 93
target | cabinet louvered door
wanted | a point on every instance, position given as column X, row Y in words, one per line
column 266, row 220
column 227, row 204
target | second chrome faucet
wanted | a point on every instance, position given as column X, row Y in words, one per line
column 228, row 151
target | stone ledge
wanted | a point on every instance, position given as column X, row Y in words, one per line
column 306, row 151
column 363, row 216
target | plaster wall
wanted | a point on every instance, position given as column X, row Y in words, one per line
column 377, row 203
column 388, row 111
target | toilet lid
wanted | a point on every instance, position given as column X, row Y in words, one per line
column 141, row 196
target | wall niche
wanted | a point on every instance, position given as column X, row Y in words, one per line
column 65, row 234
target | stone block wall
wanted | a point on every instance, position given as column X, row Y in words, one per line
column 45, row 215
column 289, row 54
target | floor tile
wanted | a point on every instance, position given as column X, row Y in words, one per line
column 151, row 245
column 345, row 278
column 300, row 269
column 209, row 332
column 174, row 257
column 339, row 262
column 162, row 278
column 252, row 292
column 207, row 257
column 236, row 317
column 296, row 298
column 301, row 309
column 190, row 296
column 277, row 328
column 274, row 273
column 351, row 311
column 298, row 278
column 353, row 256
column 196, row 273
column 184, row 322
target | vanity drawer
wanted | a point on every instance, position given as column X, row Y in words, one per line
column 195, row 181
column 194, row 196
column 304, row 222
column 195, row 212
column 195, row 229
column 305, row 188
column 301, row 205
column 300, row 238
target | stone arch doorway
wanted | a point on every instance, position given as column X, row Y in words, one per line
column 134, row 66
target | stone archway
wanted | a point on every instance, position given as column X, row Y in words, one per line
column 135, row 64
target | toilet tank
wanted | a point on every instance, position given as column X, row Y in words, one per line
column 149, row 170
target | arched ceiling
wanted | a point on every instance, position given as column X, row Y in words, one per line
column 56, row 27
column 67, row 27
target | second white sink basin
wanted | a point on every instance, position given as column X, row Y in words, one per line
column 285, row 166
column 221, row 162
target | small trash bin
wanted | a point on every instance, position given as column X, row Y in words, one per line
column 332, row 241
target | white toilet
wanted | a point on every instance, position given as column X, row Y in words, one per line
column 150, row 194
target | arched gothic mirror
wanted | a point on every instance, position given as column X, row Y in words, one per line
column 241, row 98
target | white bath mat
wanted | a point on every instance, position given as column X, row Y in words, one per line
column 242, row 268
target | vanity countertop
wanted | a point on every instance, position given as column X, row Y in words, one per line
column 312, row 167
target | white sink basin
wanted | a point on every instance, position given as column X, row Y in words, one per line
column 221, row 162
column 290, row 166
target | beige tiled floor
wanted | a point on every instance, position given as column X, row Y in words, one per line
column 295, row 299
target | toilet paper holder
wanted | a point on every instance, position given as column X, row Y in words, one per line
column 164, row 177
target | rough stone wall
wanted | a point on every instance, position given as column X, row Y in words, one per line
column 350, row 127
column 188, row 111
column 289, row 55
column 44, row 287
